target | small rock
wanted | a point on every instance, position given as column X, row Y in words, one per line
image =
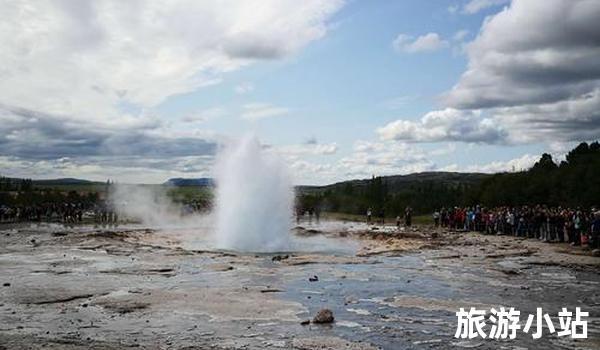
column 350, row 300
column 313, row 278
column 324, row 316
column 6, row 284
column 305, row 322
column 279, row 257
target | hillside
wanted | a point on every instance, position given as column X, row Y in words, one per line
column 64, row 182
column 574, row 182
column 185, row 182
column 398, row 183
column 392, row 194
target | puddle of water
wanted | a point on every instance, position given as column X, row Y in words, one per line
column 202, row 239
column 361, row 312
column 351, row 324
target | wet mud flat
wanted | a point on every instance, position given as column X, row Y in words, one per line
column 90, row 287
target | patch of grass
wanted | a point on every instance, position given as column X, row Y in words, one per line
column 190, row 193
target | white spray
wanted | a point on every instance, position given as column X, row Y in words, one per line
column 147, row 204
column 254, row 199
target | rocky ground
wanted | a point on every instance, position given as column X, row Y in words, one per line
column 111, row 288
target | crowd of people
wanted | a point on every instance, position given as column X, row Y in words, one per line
column 549, row 224
column 381, row 217
column 65, row 212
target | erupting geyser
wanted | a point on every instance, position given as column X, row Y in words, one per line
column 254, row 199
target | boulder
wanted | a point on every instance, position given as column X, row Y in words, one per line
column 324, row 316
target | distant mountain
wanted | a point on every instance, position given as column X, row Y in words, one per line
column 181, row 182
column 64, row 181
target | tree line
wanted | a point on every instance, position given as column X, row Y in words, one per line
column 12, row 184
column 573, row 182
column 23, row 192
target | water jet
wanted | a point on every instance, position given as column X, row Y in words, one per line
column 254, row 198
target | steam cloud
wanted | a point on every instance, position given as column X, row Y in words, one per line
column 254, row 199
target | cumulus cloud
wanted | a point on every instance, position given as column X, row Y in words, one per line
column 535, row 51
column 569, row 120
column 367, row 158
column 37, row 144
column 257, row 111
column 524, row 162
column 533, row 72
column 535, row 67
column 74, row 74
column 444, row 125
column 24, row 131
column 424, row 43
column 475, row 6
column 460, row 35
column 322, row 149
column 383, row 158
column 81, row 57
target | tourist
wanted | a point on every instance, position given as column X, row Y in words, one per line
column 436, row 218
column 407, row 216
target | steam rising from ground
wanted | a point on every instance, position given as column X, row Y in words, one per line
column 253, row 200
column 151, row 206
column 252, row 209
column 247, row 222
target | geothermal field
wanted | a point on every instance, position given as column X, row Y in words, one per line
column 246, row 276
column 300, row 174
column 133, row 286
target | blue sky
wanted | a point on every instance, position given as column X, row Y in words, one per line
column 344, row 86
column 341, row 89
